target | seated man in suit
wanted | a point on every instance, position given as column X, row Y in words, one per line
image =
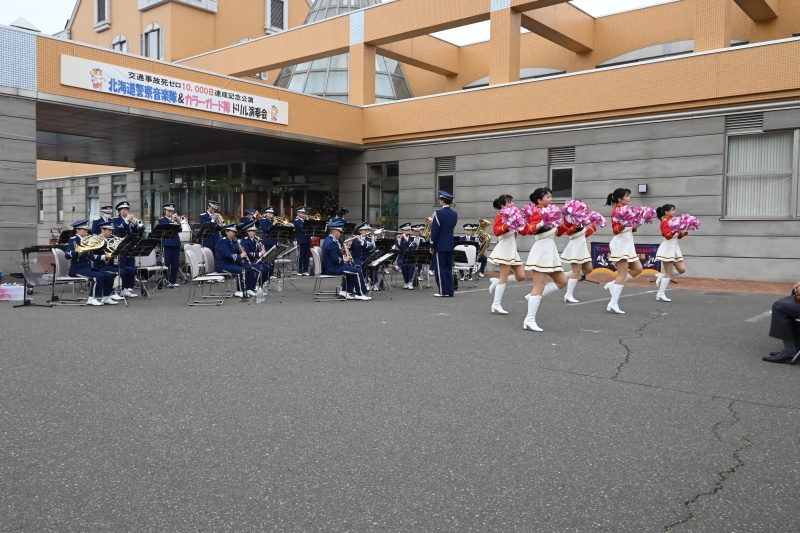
column 334, row 264
column 784, row 313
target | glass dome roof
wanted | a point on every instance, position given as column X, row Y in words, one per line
column 328, row 77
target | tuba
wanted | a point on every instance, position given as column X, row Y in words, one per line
column 90, row 243
column 426, row 232
column 483, row 238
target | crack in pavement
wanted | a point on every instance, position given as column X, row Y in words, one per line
column 639, row 334
column 723, row 475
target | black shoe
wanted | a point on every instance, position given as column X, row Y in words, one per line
column 782, row 357
column 773, row 354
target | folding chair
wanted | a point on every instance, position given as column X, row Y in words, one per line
column 211, row 270
column 319, row 294
column 470, row 266
column 149, row 265
column 61, row 277
column 197, row 281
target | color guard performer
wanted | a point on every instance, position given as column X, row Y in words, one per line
column 126, row 224
column 172, row 246
column 622, row 250
column 105, row 216
column 303, row 242
column 576, row 253
column 211, row 215
column 543, row 259
column 669, row 253
column 254, row 250
column 335, row 258
column 229, row 257
column 81, row 265
column 504, row 255
column 403, row 243
column 443, row 244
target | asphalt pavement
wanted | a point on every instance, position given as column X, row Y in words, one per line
column 405, row 413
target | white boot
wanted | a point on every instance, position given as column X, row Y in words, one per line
column 662, row 291
column 659, row 277
column 530, row 320
column 613, row 305
column 498, row 299
column 550, row 288
column 493, row 284
column 570, row 288
column 608, row 285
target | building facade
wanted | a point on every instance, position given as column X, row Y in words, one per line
column 693, row 102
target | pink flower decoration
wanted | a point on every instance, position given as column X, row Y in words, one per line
column 596, row 219
column 512, row 217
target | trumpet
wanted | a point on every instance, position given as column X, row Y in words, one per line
column 134, row 221
column 218, row 219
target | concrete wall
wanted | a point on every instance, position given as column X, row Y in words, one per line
column 682, row 162
column 17, row 179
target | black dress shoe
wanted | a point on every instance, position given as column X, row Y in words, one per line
column 780, row 358
column 773, row 354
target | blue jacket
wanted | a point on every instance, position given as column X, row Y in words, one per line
column 301, row 237
column 443, row 228
column 332, row 261
column 176, row 239
column 210, row 242
column 79, row 263
column 361, row 251
column 251, row 247
column 266, row 225
column 122, row 229
column 226, row 253
column 97, row 223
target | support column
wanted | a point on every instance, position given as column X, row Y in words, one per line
column 713, row 24
column 504, row 44
column 362, row 74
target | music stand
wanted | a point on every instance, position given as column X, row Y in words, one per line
column 282, row 258
column 34, row 279
column 142, row 249
column 270, row 257
column 65, row 236
column 316, row 228
column 379, row 259
column 206, row 230
column 349, row 228
column 384, row 245
column 163, row 232
column 417, row 258
column 282, row 233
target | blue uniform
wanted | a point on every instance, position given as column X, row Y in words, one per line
column 210, row 242
column 227, row 259
column 481, row 259
column 303, row 247
column 99, row 222
column 172, row 251
column 247, row 219
column 404, row 244
column 122, row 229
column 360, row 253
column 442, row 242
column 250, row 247
column 112, row 266
column 266, row 225
column 81, row 265
column 333, row 264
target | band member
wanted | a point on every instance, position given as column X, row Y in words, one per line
column 211, row 215
column 504, row 255
column 403, row 243
column 576, row 253
column 229, row 257
column 360, row 248
column 335, row 258
column 80, row 265
column 172, row 246
column 343, row 212
column 110, row 265
column 105, row 216
column 267, row 221
column 249, row 216
column 622, row 250
column 126, row 224
column 469, row 236
column 543, row 259
column 303, row 242
column 669, row 253
column 254, row 250
column 416, row 243
column 443, row 244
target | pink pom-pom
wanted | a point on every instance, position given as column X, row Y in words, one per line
column 676, row 224
column 528, row 211
column 627, row 215
column 512, row 217
column 551, row 215
column 690, row 222
column 575, row 212
column 596, row 219
column 647, row 214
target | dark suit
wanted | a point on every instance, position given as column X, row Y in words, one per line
column 122, row 229
column 227, row 259
column 210, row 242
column 443, row 243
column 303, row 246
column 172, row 250
column 784, row 313
column 333, row 265
column 81, row 265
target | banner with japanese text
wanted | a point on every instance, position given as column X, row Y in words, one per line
column 113, row 79
column 646, row 253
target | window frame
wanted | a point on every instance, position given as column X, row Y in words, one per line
column 121, row 44
column 794, row 208
column 60, row 205
column 92, row 192
column 571, row 168
column 40, row 205
column 268, row 27
column 102, row 25
column 119, row 180
column 159, row 31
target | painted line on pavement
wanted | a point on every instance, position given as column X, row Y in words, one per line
column 762, row 316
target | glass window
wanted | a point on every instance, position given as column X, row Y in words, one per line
column 302, row 67
column 380, row 64
column 283, row 82
column 152, row 44
column 337, row 82
column 316, row 83
column 60, row 205
column 383, row 86
column 93, row 198
column 298, row 82
column 339, row 61
column 400, row 88
column 102, row 11
column 759, row 176
column 320, row 64
column 119, row 189
column 561, row 182
column 40, row 204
